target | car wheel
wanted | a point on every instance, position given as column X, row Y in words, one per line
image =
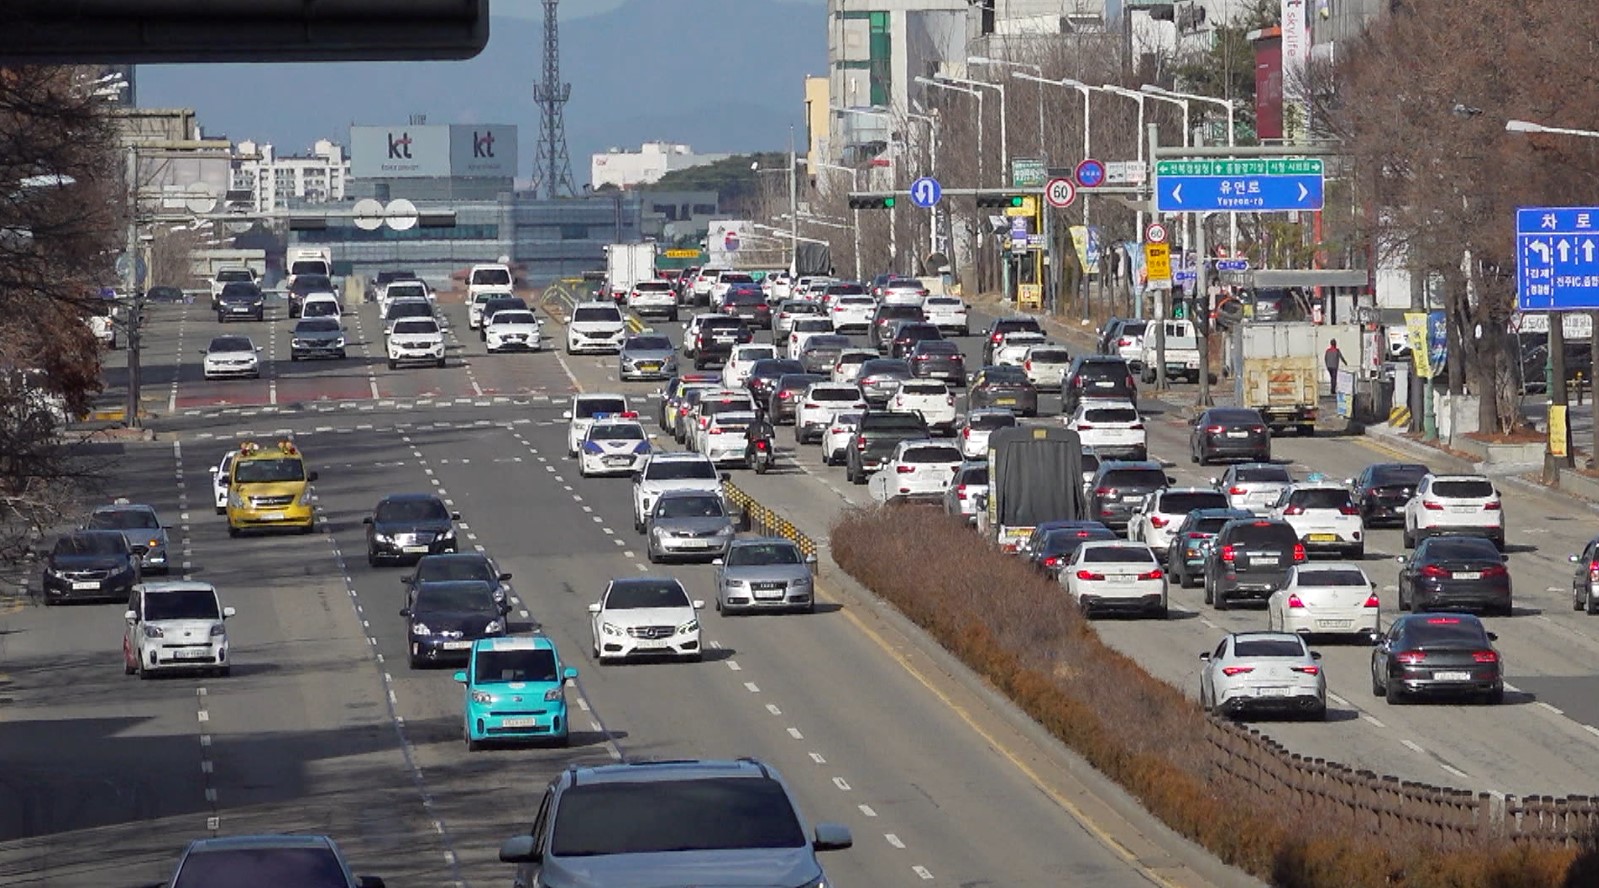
column 293, row 357
column 1210, row 596
column 371, row 559
column 1308, row 431
column 1221, row 601
column 232, row 531
column 1496, row 696
column 1377, row 690
column 222, row 510
column 638, row 526
column 1394, row 694
column 224, row 671
column 649, row 553
column 1410, row 539
column 1404, row 600
column 696, row 657
column 127, row 667
column 1317, row 714
column 144, row 674
column 472, row 745
column 1358, row 553
column 1591, row 604
column 393, row 364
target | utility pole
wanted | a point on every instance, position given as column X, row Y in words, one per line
column 131, row 284
column 1558, row 398
column 793, row 206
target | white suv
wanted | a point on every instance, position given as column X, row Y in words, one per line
column 1324, row 516
column 1112, row 428
column 931, row 400
column 816, row 408
column 595, row 327
column 921, row 466
column 416, row 340
column 653, row 297
column 670, row 470
column 1158, row 518
column 1455, row 504
column 176, row 625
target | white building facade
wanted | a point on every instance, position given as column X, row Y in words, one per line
column 629, row 169
column 274, row 182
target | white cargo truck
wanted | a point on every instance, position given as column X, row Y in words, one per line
column 626, row 265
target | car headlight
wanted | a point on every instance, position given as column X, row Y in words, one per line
column 610, row 629
column 725, row 531
column 420, row 629
column 236, row 500
column 658, row 532
column 155, row 544
column 338, row 343
column 690, row 626
column 493, row 626
column 736, row 584
column 54, row 571
column 153, row 631
column 218, row 630
column 483, row 697
column 382, row 537
column 448, row 534
column 554, row 694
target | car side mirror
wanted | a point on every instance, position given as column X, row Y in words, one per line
column 455, row 516
column 504, row 577
column 1505, row 558
column 717, row 562
column 1315, row 655
column 406, row 580
column 1205, row 656
column 832, row 837
column 1349, row 482
column 1572, row 558
column 637, row 477
column 131, row 616
column 369, row 882
column 228, row 612
column 566, row 414
column 1375, row 638
column 698, row 604
column 519, row 849
column 1399, row 558
column 569, row 673
column 594, row 608
column 459, row 677
column 810, row 559
column 727, row 476
column 1171, row 479
column 405, row 612
column 367, row 520
column 1493, row 636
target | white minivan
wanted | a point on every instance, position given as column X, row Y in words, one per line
column 595, row 327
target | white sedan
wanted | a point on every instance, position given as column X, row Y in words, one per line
column 512, row 330
column 1263, row 672
column 839, row 435
column 231, row 356
column 1112, row 575
column 644, row 615
column 1325, row 598
column 613, row 447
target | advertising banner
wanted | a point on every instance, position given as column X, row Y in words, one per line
column 483, row 151
column 388, row 152
column 1416, row 330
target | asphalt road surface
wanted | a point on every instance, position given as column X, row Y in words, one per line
column 322, row 727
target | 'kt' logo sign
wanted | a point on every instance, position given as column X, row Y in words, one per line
column 482, row 144
column 400, row 149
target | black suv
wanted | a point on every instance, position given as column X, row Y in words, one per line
column 241, row 300
column 907, row 334
column 876, row 437
column 716, row 339
column 1119, row 488
column 1249, row 558
column 883, row 320
column 1097, row 376
column 1002, row 327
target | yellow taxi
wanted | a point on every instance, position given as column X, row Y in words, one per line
column 269, row 488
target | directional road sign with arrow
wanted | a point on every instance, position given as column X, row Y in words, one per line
column 1558, row 258
column 1239, row 186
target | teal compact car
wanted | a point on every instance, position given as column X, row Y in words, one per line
column 515, row 690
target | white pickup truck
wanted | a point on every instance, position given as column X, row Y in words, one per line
column 1182, row 351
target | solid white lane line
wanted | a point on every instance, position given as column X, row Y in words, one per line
column 1551, row 708
column 1413, row 746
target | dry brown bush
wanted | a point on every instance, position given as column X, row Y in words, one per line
column 1016, row 629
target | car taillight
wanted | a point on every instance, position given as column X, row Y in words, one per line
column 1431, row 506
column 950, row 400
column 1257, row 428
column 785, row 394
column 1299, row 552
column 1124, row 342
column 836, row 430
column 761, row 445
column 1231, row 671
column 1486, row 656
column 960, row 491
column 1433, row 570
column 1129, row 382
column 1498, row 570
column 996, row 338
column 1089, row 575
column 1371, row 601
column 1137, row 427
column 809, row 406
column 1104, row 491
column 630, row 414
column 921, row 357
column 860, row 442
column 1348, row 510
column 1083, row 426
column 1077, row 382
column 967, row 434
column 1158, row 521
column 1294, row 510
column 1229, row 553
column 714, row 431
column 1052, row 561
column 1593, row 570
column 1491, row 506
column 1294, row 601
column 1307, row 670
column 1155, row 574
column 1410, row 658
column 1027, row 364
column 904, row 470
column 1237, row 491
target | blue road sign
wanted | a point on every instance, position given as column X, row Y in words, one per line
column 1557, row 267
column 1239, row 194
column 1090, row 173
column 926, row 191
column 1232, row 264
column 1185, row 276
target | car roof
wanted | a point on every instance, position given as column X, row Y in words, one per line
column 678, row 492
column 1107, row 465
column 483, row 585
column 515, row 643
column 1315, row 485
column 678, row 456
column 1106, row 402
column 1108, row 544
column 761, row 541
column 123, row 507
column 409, row 498
column 456, row 556
column 595, row 303
column 229, row 843
column 687, row 769
column 1265, row 635
column 1313, row 566
column 1438, row 477
column 597, row 396
column 177, row 586
column 1230, row 514
column 651, row 579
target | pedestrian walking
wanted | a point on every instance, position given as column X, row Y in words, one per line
column 1334, row 359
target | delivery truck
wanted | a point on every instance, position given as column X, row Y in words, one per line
column 1284, row 370
column 626, row 265
column 1035, row 474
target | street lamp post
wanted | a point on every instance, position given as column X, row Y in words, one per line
column 1004, row 140
column 1140, row 140
column 855, row 220
column 1085, row 90
column 1038, row 77
column 1232, row 142
column 893, row 177
column 977, row 94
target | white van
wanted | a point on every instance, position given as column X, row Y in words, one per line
column 493, row 276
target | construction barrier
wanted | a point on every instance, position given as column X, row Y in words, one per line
column 762, row 520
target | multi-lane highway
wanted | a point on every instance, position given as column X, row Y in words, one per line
column 322, row 727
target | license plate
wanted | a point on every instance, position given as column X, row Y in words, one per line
column 1007, row 402
column 1334, row 624
column 1103, row 384
column 650, row 365
column 457, row 645
column 1451, row 676
column 1324, row 537
column 191, row 654
column 92, row 584
column 273, row 516
column 519, row 722
column 1259, row 561
column 411, row 550
column 1271, row 692
column 1462, row 510
column 618, row 460
column 1237, row 434
column 1468, row 575
column 772, row 595
column 651, row 643
column 695, row 544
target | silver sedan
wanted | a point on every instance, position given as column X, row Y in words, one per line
column 767, row 573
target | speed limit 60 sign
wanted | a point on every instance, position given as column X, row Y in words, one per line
column 1060, row 193
column 1155, row 233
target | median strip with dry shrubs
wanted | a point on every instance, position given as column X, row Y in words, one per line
column 1015, row 628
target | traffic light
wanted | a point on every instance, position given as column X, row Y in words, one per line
column 1179, row 308
column 998, row 199
column 871, row 202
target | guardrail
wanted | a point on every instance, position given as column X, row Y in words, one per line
column 763, row 520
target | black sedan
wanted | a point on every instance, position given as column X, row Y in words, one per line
column 1381, row 491
column 1229, row 432
column 790, row 387
column 764, row 375
column 90, row 564
column 1455, row 572
column 1003, row 386
column 458, row 566
column 1437, row 654
column 446, row 616
column 406, row 526
column 938, row 359
column 748, row 302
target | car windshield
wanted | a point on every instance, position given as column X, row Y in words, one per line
column 1134, row 479
column 826, row 340
column 531, row 665
column 239, row 292
column 619, row 431
column 661, row 816
column 1266, row 534
column 225, row 344
column 455, row 598
column 181, row 604
column 1463, row 549
column 588, row 408
column 937, row 347
column 390, row 511
column 846, row 419
column 802, row 307
column 1468, row 488
column 453, row 568
column 629, row 596
column 1005, row 376
column 1208, row 525
column 1268, row 474
column 765, row 553
column 1110, row 414
column 845, row 289
column 416, row 327
column 1323, row 498
column 653, row 287
column 91, row 544
column 690, row 507
column 234, row 274
column 317, row 325
column 989, row 421
column 266, row 471
column 881, row 367
column 637, row 343
column 320, row 308
column 515, row 317
column 1118, row 555
column 756, row 353
column 812, row 325
column 1188, row 501
column 417, row 309
column 1134, row 328
column 1332, row 578
column 1049, row 356
column 833, row 394
column 492, row 277
column 940, row 453
column 923, row 388
column 1398, row 474
column 1269, row 647
column 123, row 519
column 679, row 470
column 262, row 868
column 1445, row 632
column 598, row 315
column 1233, row 417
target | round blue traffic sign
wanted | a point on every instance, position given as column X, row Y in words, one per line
column 926, row 191
column 1090, row 173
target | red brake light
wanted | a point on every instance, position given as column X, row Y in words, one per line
column 1237, row 491
column 967, row 433
column 1442, row 621
column 1498, row 570
column 1432, row 506
column 1230, row 671
column 1308, row 670
column 1295, row 602
column 1348, row 510
column 1299, row 552
column 1089, row 575
column 1294, row 510
column 1410, row 658
column 1052, row 561
column 950, row 400
column 1085, row 426
column 1433, row 570
column 1104, row 491
column 1155, row 574
column 1027, row 364
column 1491, row 506
column 1371, row 601
column 1229, row 553
column 785, row 394
column 1158, row 521
column 836, row 430
column 904, row 470
column 630, row 414
column 960, row 491
column 1486, row 656
column 1124, row 342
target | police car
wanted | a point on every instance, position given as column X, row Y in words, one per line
column 586, row 409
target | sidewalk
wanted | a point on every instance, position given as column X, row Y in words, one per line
column 1576, row 486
